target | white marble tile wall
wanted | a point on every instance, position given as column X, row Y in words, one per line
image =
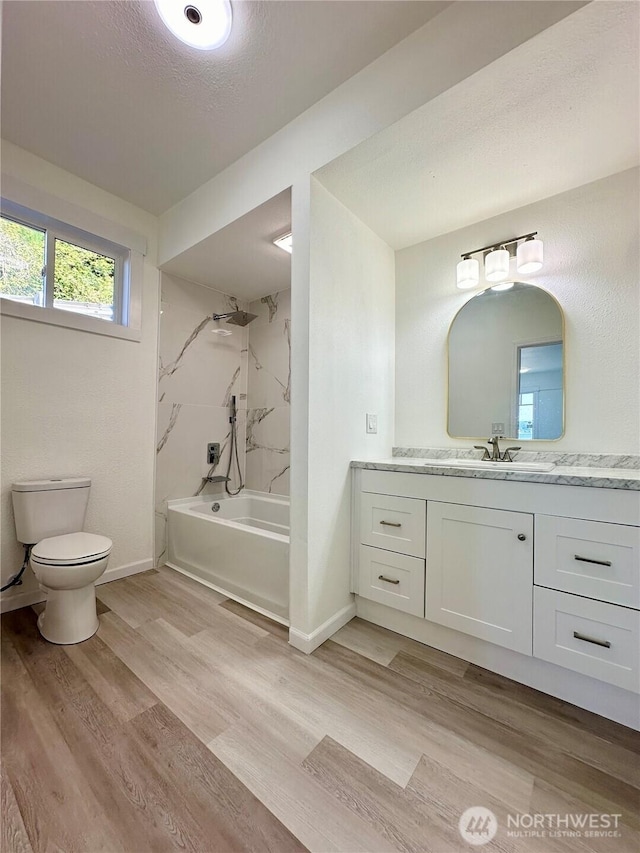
column 269, row 394
column 198, row 373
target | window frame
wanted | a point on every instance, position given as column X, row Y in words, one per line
column 128, row 256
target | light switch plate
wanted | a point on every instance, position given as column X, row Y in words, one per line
column 497, row 428
column 372, row 424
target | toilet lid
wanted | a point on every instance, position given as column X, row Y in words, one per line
column 71, row 548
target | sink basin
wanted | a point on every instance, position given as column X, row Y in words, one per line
column 478, row 464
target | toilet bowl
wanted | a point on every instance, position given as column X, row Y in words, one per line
column 67, row 568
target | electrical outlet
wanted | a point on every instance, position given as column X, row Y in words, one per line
column 497, row 428
column 372, row 424
column 213, row 453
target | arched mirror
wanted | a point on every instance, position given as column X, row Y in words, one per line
column 506, row 366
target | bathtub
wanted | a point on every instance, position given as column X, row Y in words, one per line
column 236, row 545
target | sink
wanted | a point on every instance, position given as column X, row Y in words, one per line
column 479, row 465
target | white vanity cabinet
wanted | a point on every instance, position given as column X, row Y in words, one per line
column 504, row 572
column 479, row 572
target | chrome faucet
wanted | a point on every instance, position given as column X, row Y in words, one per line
column 495, row 455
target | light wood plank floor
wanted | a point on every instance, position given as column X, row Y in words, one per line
column 188, row 723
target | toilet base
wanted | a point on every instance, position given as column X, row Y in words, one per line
column 69, row 615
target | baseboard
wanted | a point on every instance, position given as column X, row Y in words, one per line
column 307, row 643
column 34, row 596
column 125, row 571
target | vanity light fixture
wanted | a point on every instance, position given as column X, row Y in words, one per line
column 529, row 255
column 203, row 24
column 468, row 273
column 526, row 249
column 496, row 264
column 285, row 242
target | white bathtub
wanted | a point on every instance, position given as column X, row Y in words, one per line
column 236, row 545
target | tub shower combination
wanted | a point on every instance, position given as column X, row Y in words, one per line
column 236, row 545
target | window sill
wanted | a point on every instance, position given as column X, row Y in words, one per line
column 68, row 320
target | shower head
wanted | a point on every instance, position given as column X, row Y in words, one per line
column 236, row 318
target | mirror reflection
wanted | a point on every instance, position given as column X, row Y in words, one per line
column 506, row 366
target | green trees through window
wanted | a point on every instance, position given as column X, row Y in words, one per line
column 22, row 260
column 83, row 280
column 82, row 276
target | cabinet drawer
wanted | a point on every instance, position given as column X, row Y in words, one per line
column 589, row 558
column 591, row 637
column 395, row 524
column 392, row 579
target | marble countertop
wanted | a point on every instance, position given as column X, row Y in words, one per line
column 561, row 475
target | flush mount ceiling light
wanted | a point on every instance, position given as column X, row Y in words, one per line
column 497, row 258
column 204, row 24
column 285, row 242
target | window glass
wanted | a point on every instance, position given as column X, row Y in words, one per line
column 83, row 281
column 22, row 260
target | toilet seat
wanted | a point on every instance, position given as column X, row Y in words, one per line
column 71, row 549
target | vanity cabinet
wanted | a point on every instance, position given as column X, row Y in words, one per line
column 480, row 573
column 549, row 572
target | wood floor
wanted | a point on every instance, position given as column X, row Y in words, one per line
column 188, row 723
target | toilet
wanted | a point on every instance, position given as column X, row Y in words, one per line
column 49, row 515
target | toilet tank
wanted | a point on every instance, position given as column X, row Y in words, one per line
column 44, row 508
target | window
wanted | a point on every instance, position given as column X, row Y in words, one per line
column 49, row 264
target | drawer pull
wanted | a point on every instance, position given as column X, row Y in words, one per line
column 605, row 643
column 589, row 560
column 391, row 523
column 388, row 580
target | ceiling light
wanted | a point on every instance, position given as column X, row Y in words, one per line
column 285, row 242
column 496, row 264
column 468, row 273
column 529, row 256
column 497, row 258
column 204, row 24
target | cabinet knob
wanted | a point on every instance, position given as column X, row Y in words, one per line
column 521, row 537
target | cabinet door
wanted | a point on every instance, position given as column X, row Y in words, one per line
column 479, row 577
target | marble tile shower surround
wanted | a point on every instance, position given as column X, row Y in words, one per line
column 197, row 374
column 559, row 458
column 269, row 394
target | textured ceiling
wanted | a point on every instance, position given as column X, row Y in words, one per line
column 241, row 259
column 557, row 112
column 103, row 90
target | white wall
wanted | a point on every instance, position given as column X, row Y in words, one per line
column 79, row 403
column 591, row 266
column 351, row 355
column 461, row 40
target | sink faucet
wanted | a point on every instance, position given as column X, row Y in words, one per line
column 495, row 455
